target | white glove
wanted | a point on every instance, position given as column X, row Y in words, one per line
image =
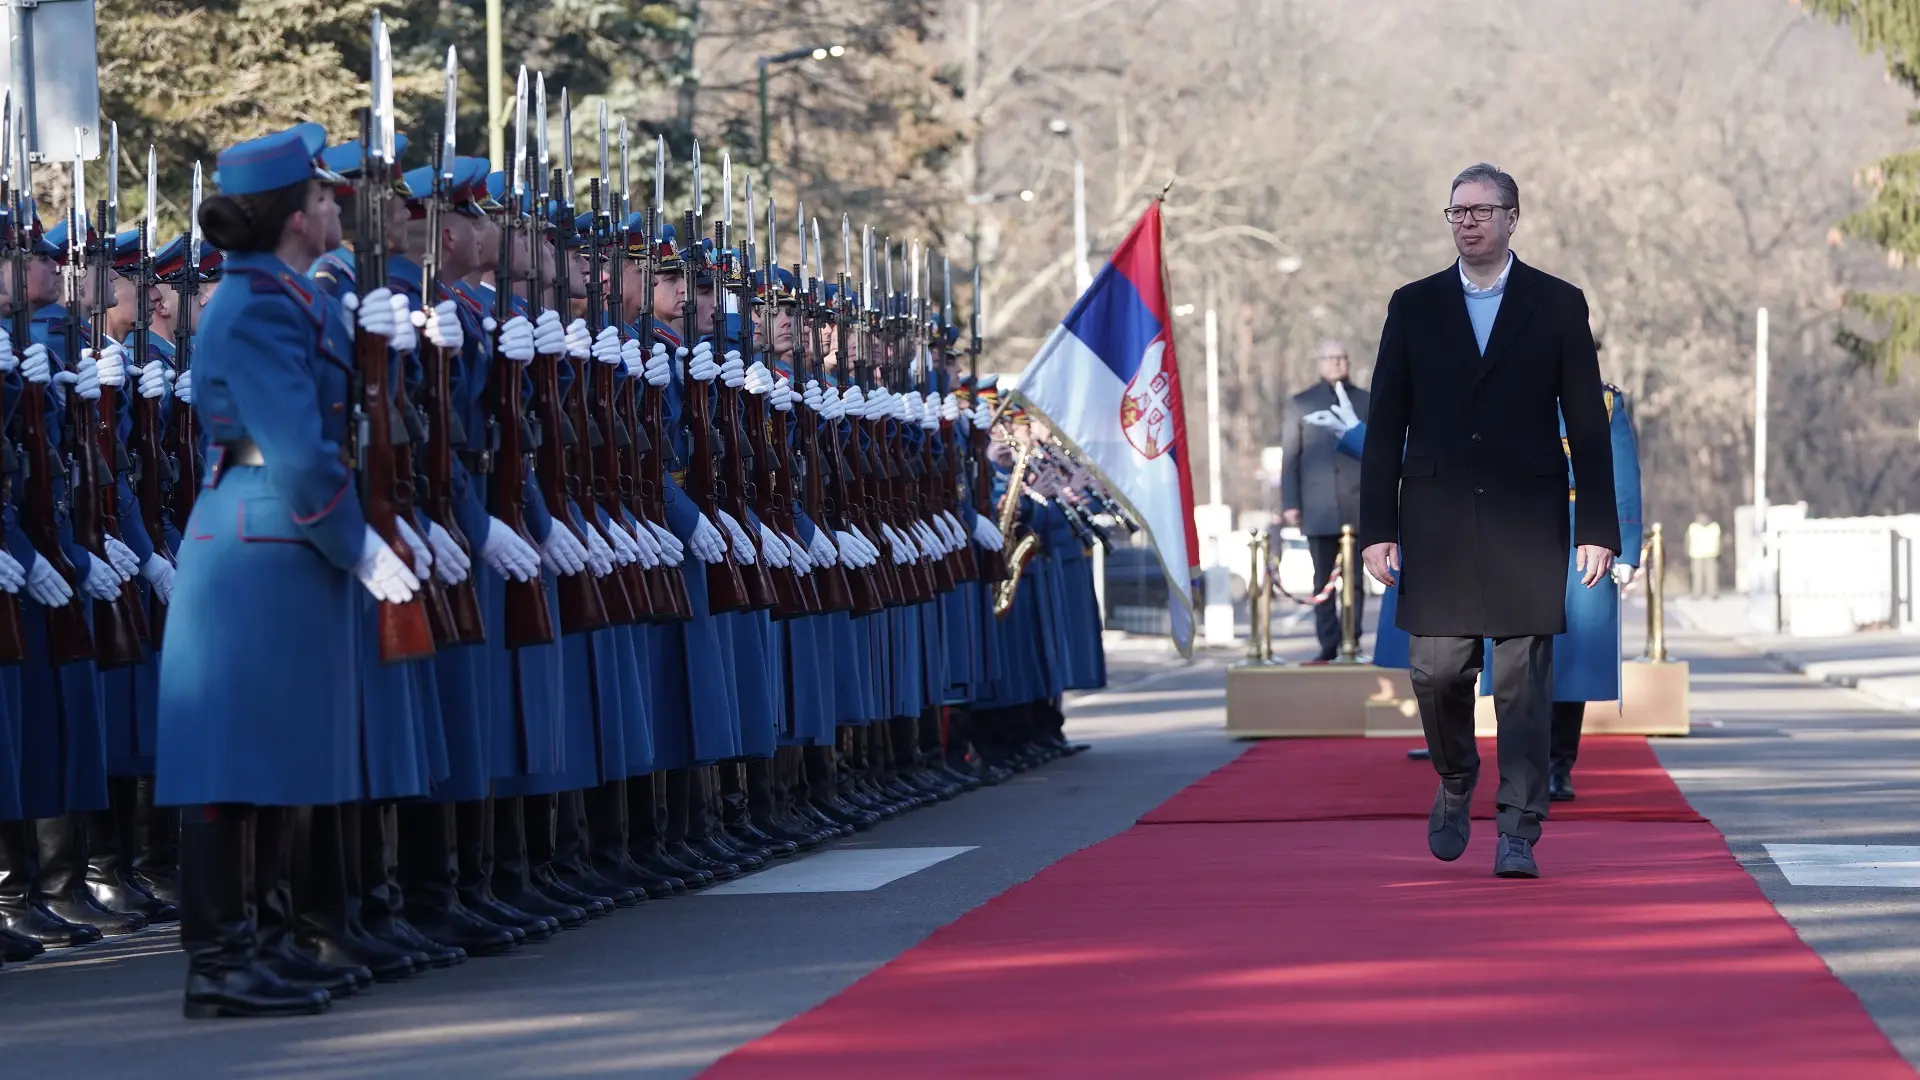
column 707, row 544
column 796, row 555
column 852, row 402
column 563, row 553
column 758, row 379
column 8, row 362
column 643, row 542
column 879, row 403
column 982, row 416
column 930, row 542
column 659, row 369
column 742, row 543
column 84, row 378
column 36, row 368
column 112, row 362
column 633, row 357
column 908, row 407
column 549, row 337
column 45, row 586
column 422, row 554
column 442, row 327
column 852, row 551
column 1340, row 419
column 404, row 339
column 986, row 534
column 950, row 409
column 102, row 582
column 579, row 340
column 672, row 551
column 13, row 575
column 516, row 339
column 450, row 564
column 783, row 395
column 600, row 556
column 508, row 554
column 153, row 380
column 159, row 574
column 822, row 552
column 897, row 543
column 773, row 548
column 383, row 572
column 374, row 311
column 120, row 558
column 734, row 372
column 956, row 535
column 701, row 367
column 1622, row 574
column 183, row 388
column 625, row 551
column 815, row 400
column 606, row 345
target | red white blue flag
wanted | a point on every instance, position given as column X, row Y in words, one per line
column 1107, row 382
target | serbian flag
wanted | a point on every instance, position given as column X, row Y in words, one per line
column 1108, row 385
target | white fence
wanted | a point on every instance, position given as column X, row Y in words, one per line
column 1839, row 576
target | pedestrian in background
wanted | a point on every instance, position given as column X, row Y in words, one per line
column 1320, row 487
column 1703, row 550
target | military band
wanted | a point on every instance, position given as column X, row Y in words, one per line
column 410, row 563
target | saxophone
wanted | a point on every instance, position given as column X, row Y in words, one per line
column 1022, row 551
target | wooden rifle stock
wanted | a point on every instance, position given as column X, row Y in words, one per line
column 433, row 592
column 404, row 633
column 590, row 492
column 644, row 409
column 726, row 586
column 68, row 638
column 529, row 620
column 581, row 607
column 772, row 451
column 790, row 595
column 150, row 454
column 834, row 584
column 993, row 564
column 466, row 625
column 763, row 591
column 117, row 626
column 612, row 486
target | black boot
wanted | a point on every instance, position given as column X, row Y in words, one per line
column 674, row 789
column 110, row 848
column 610, row 840
column 326, row 876
column 429, row 878
column 156, row 830
column 743, row 824
column 934, row 734
column 384, row 909
column 473, row 845
column 646, row 822
column 224, row 975
column 513, row 880
column 63, row 878
column 762, row 788
column 573, row 854
column 274, row 916
column 823, row 787
column 712, row 825
column 22, row 909
column 542, row 814
column 804, row 810
column 772, row 789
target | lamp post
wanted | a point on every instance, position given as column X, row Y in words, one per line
column 1082, row 269
column 815, row 52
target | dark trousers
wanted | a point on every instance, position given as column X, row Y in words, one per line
column 1567, row 718
column 1326, row 617
column 1444, row 670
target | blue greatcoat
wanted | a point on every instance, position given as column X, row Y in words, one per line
column 10, row 717
column 1586, row 659
column 259, row 700
column 808, row 654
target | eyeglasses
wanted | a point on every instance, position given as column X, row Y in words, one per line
column 1482, row 212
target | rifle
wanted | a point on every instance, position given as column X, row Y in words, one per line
column 949, row 483
column 13, row 232
column 402, row 629
column 642, row 405
column 921, row 466
column 764, row 478
column 841, row 589
column 859, row 500
column 595, row 483
column 529, row 621
column 151, row 467
column 762, row 593
column 183, row 442
column 458, row 604
column 93, row 438
column 891, row 458
column 993, row 564
column 726, row 585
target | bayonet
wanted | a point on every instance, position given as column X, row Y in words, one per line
column 193, row 228
column 773, row 236
column 6, row 145
column 77, row 217
column 153, row 204
column 606, row 177
column 451, row 119
column 566, row 152
column 946, row 289
column 846, row 246
column 750, row 237
column 819, row 260
column 659, row 183
column 384, row 58
column 517, row 170
column 112, row 225
column 626, row 171
column 726, row 187
column 800, row 238
column 541, row 135
column 698, row 206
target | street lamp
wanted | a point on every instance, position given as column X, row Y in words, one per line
column 812, row 52
column 1082, row 269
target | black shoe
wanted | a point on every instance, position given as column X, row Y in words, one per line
column 32, row 919
column 547, row 881
column 1560, row 785
column 17, row 947
column 1514, row 858
column 122, row 891
column 335, row 942
column 449, row 922
column 395, row 930
column 302, row 971
column 239, row 989
column 1422, row 754
column 79, row 906
column 1450, row 822
column 533, row 901
column 482, row 902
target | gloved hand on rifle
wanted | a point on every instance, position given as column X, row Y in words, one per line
column 659, row 367
column 373, row 313
column 383, row 572
column 12, row 574
column 906, row 407
column 822, row 552
column 403, row 338
column 982, row 416
column 896, row 544
column 986, row 534
column 35, row 366
column 159, row 574
column 579, row 340
column 422, row 554
column 707, row 544
column 700, row 366
column 783, row 396
column 644, row 544
column 950, row 409
column 120, row 558
column 509, row 555
column 625, row 551
column 606, row 346
column 84, row 379
column 815, row 399
column 773, row 549
column 852, row 552
column 563, row 553
column 930, row 413
column 853, row 402
column 549, row 337
column 517, row 340
column 441, row 326
column 672, row 551
column 450, row 564
column 183, row 388
column 101, row 583
column 9, row 363
column 734, row 372
column 931, row 542
column 955, row 534
column 796, row 555
column 599, row 552
column 154, row 378
column 633, row 357
column 758, row 380
column 45, row 586
column 742, row 543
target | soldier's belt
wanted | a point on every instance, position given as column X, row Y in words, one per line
column 243, row 452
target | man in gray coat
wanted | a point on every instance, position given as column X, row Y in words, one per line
column 1319, row 487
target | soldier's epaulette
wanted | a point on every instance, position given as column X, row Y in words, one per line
column 285, row 284
column 666, row 335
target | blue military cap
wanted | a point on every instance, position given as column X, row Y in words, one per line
column 55, row 242
column 472, row 195
column 272, row 162
column 667, row 256
column 345, row 159
column 42, row 244
column 170, row 261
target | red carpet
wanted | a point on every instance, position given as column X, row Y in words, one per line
column 1340, row 949
column 1618, row 779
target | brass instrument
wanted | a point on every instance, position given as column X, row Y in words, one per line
column 1009, row 510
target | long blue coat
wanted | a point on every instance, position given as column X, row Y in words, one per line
column 259, row 695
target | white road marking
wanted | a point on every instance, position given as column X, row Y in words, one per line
column 840, row 870
column 1867, row 866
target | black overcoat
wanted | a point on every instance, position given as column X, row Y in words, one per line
column 1479, row 501
column 1315, row 478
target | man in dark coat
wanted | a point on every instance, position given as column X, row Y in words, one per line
column 1478, row 364
column 1320, row 487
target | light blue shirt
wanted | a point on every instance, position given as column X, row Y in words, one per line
column 1483, row 305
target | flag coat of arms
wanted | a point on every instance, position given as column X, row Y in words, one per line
column 1108, row 383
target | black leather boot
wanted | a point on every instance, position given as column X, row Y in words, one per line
column 572, row 854
column 823, row 786
column 429, row 879
column 156, row 853
column 274, row 916
column 758, row 806
column 110, row 848
column 513, row 879
column 610, row 839
column 327, row 919
column 63, row 878
column 383, row 911
column 542, row 813
column 713, row 833
column 22, row 909
column 737, row 813
column 224, row 973
column 804, row 813
column 674, row 789
column 770, row 799
column 474, row 848
column 646, row 821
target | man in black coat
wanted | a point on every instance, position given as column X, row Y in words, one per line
column 1478, row 365
column 1319, row 486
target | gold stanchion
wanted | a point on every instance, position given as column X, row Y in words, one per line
column 1259, row 603
column 1656, row 596
column 1349, row 597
